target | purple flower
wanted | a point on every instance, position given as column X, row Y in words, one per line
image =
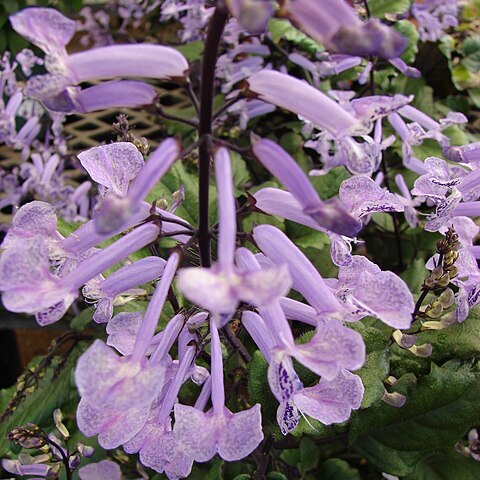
column 19, row 468
column 125, row 180
column 103, row 377
column 344, row 348
column 51, row 31
column 329, row 215
column 220, row 288
column 335, row 24
column 361, row 196
column 367, row 290
column 100, row 471
column 106, row 292
column 232, row 435
column 29, row 286
column 464, row 154
column 329, row 401
column 253, row 15
column 297, row 96
column 433, row 17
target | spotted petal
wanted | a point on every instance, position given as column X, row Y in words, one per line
column 113, row 166
column 332, row 401
column 45, row 27
column 333, row 347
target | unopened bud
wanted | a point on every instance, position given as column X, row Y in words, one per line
column 437, row 272
column 423, row 351
column 433, row 325
column 453, row 272
column 444, row 280
column 429, row 281
column 394, row 399
column 162, row 203
column 449, row 319
column 447, row 298
column 85, row 450
column 391, row 380
column 27, row 436
column 74, row 461
column 434, row 309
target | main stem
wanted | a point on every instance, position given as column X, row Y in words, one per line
column 212, row 42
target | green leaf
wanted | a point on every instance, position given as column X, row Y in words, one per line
column 49, row 395
column 446, row 467
column 327, row 185
column 337, row 469
column 471, row 50
column 305, row 237
column 284, row 29
column 377, row 363
column 309, row 455
column 66, row 228
column 379, row 8
column 408, row 30
column 241, row 175
column 179, row 175
column 439, row 409
column 258, row 386
column 461, row 340
column 191, row 51
column 276, row 476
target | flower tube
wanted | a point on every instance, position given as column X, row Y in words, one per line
column 302, row 99
column 220, row 288
column 335, row 24
column 29, row 286
column 329, row 215
column 232, row 435
column 51, row 31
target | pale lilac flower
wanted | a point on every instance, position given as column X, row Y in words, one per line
column 106, row 469
column 102, row 377
column 330, row 401
column 362, row 288
column 330, row 215
column 434, row 17
column 248, row 109
column 156, row 443
column 18, row 468
column 438, row 179
column 118, row 288
column 253, row 15
column 125, row 180
column 463, row 154
column 220, row 288
column 344, row 347
column 192, row 14
column 365, row 290
column 409, row 204
column 407, row 70
column 335, row 24
column 51, row 31
column 359, row 197
column 301, row 98
column 95, row 28
column 27, row 60
column 29, row 286
column 420, row 128
column 232, row 435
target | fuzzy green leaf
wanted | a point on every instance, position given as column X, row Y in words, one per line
column 439, row 409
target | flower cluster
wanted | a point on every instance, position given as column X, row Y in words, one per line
column 132, row 379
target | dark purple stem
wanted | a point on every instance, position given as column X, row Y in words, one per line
column 212, row 42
